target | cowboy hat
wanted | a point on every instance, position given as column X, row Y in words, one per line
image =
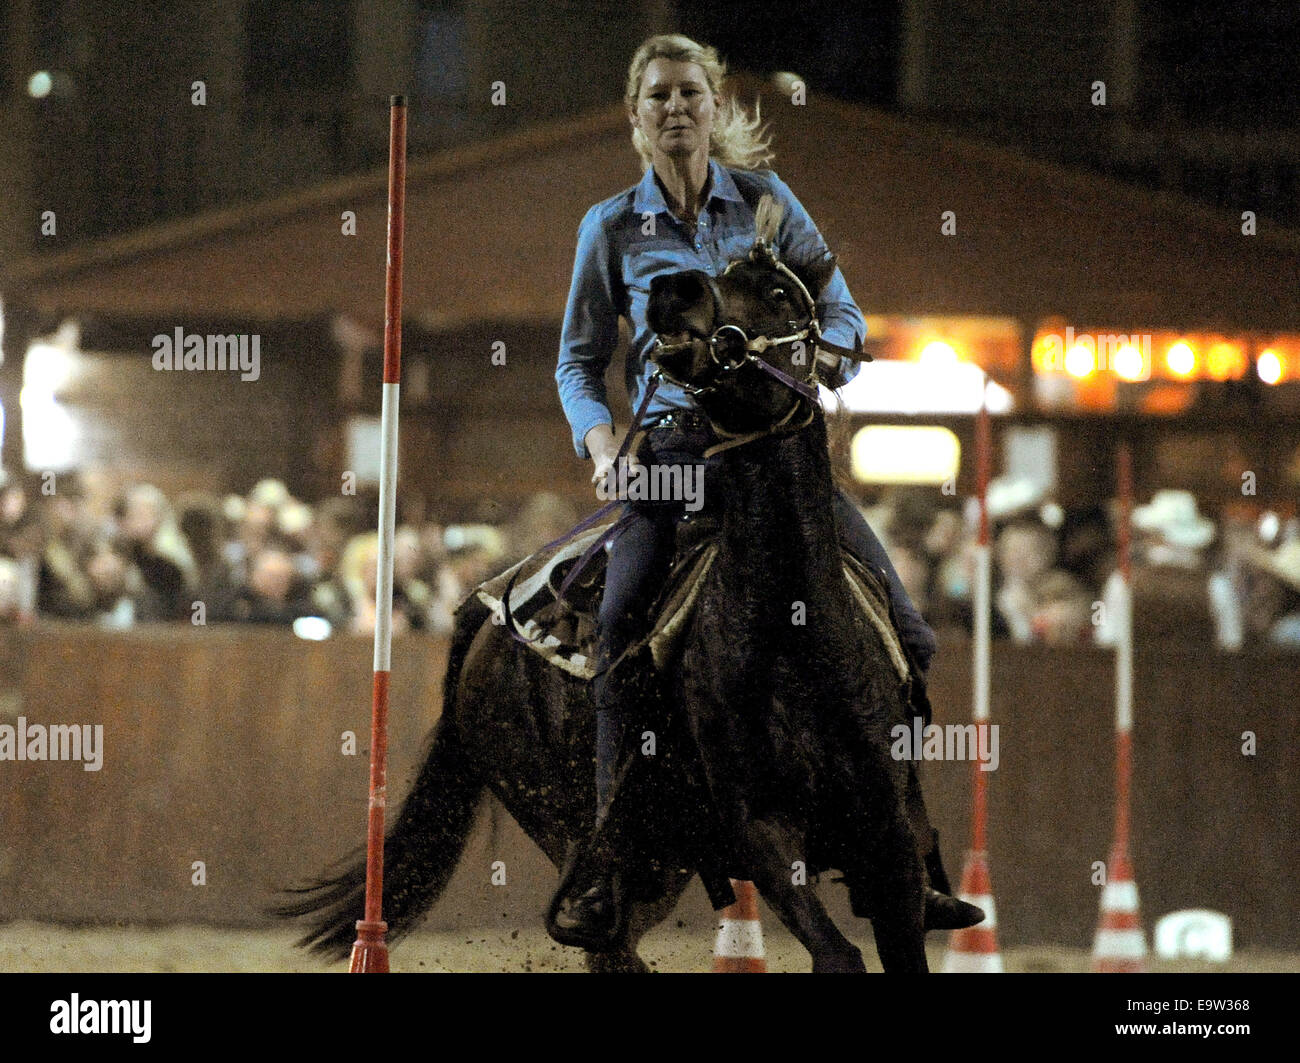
column 1173, row 515
column 1012, row 496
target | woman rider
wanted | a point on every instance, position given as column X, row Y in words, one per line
column 692, row 209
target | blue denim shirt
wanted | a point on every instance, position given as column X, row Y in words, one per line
column 616, row 261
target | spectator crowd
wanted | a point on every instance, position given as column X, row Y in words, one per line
column 89, row 551
column 1194, row 581
column 86, row 551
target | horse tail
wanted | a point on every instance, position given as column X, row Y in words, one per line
column 422, row 848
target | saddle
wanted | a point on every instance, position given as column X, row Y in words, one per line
column 562, row 630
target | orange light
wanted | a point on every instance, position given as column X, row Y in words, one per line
column 1225, row 361
column 1128, row 363
column 1081, row 361
column 1046, row 354
column 1270, row 366
column 1181, row 359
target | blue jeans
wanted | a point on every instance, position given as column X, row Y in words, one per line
column 640, row 557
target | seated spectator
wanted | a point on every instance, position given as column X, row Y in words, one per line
column 63, row 590
column 1272, row 613
column 153, row 542
column 25, row 546
column 912, row 512
column 1087, row 546
column 203, row 524
column 13, row 508
column 120, row 595
column 1024, row 552
column 256, row 524
column 272, row 595
column 1062, row 610
column 445, row 590
column 1172, row 589
column 293, row 523
column 945, row 535
column 911, row 565
column 11, row 597
column 359, row 573
column 411, row 595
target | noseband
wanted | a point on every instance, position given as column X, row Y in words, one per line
column 731, row 348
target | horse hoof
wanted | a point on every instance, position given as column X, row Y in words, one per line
column 840, row 963
column 595, row 921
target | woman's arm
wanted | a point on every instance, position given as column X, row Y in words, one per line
column 589, row 335
column 798, row 240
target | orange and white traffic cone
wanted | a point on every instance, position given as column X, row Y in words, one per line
column 739, row 948
column 1120, row 946
column 974, row 949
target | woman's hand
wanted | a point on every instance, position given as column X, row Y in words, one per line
column 600, row 444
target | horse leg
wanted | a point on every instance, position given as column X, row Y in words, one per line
column 773, row 852
column 895, row 886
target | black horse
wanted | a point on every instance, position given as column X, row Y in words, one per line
column 773, row 725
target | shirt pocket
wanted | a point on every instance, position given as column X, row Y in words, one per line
column 652, row 256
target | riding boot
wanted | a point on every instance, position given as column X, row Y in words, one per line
column 934, row 865
column 594, row 919
column 942, row 910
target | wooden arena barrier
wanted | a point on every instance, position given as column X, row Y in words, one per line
column 224, row 745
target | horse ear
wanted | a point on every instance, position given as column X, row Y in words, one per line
column 816, row 273
column 767, row 219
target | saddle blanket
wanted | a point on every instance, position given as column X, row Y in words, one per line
column 563, row 630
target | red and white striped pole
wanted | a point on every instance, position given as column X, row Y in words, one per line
column 370, row 951
column 975, row 949
column 1120, row 945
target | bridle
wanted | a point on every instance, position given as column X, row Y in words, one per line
column 731, row 348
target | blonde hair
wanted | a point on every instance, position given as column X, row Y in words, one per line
column 737, row 139
column 361, row 552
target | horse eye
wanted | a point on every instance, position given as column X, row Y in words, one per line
column 777, row 293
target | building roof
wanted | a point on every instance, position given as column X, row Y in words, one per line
column 491, row 228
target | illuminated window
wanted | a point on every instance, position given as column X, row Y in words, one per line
column 905, row 454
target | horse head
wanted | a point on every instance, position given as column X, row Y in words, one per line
column 745, row 343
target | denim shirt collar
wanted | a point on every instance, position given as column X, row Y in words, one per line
column 650, row 198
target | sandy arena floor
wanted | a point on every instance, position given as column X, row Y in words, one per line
column 36, row 947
